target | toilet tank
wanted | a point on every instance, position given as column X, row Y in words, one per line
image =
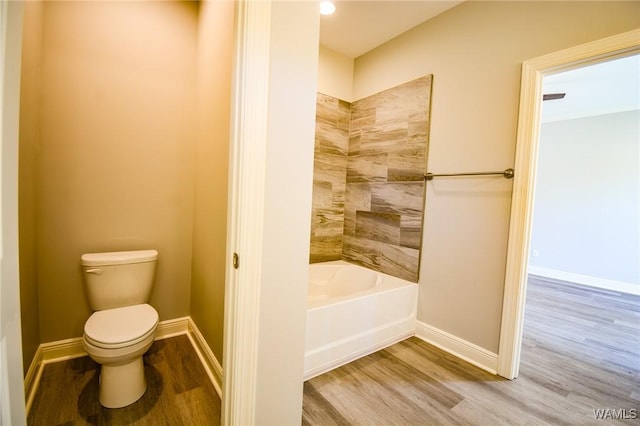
column 118, row 279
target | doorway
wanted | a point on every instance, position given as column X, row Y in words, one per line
column 581, row 330
column 585, row 227
column 533, row 71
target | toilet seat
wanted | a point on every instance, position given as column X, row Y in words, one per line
column 121, row 327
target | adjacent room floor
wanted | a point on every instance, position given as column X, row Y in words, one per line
column 580, row 357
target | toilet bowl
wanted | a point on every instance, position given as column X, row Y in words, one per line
column 117, row 339
column 123, row 326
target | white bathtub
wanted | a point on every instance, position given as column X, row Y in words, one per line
column 352, row 312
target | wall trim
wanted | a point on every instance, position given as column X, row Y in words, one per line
column 458, row 347
column 207, row 358
column 32, row 378
column 587, row 280
column 62, row 350
column 173, row 327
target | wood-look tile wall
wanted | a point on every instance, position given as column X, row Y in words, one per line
column 329, row 178
column 381, row 205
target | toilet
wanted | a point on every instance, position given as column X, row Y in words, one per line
column 123, row 326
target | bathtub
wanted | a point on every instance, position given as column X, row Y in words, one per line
column 353, row 311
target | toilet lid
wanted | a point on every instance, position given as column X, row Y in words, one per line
column 121, row 326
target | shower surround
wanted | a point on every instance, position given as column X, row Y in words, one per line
column 368, row 192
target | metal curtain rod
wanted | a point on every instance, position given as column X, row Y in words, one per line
column 508, row 174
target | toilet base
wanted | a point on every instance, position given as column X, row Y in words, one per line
column 122, row 384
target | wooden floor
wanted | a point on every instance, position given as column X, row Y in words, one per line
column 581, row 353
column 179, row 392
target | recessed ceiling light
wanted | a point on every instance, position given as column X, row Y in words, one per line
column 327, row 8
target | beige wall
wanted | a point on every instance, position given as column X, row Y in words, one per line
column 29, row 131
column 335, row 74
column 474, row 52
column 215, row 51
column 115, row 149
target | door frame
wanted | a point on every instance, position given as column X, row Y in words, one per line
column 12, row 407
column 527, row 142
column 276, row 66
column 247, row 161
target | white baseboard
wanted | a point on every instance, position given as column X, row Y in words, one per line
column 207, row 358
column 63, row 350
column 587, row 280
column 32, row 378
column 172, row 327
column 458, row 347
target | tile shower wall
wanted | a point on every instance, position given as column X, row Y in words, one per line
column 381, row 205
column 329, row 178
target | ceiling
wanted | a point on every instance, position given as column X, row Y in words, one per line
column 603, row 88
column 358, row 26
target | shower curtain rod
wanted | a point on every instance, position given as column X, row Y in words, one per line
column 508, row 174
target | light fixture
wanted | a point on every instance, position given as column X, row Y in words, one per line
column 327, row 7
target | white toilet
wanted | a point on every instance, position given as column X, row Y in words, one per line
column 123, row 326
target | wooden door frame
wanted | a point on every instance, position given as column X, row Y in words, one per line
column 522, row 197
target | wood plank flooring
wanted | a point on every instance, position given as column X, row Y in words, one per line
column 179, row 392
column 581, row 353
